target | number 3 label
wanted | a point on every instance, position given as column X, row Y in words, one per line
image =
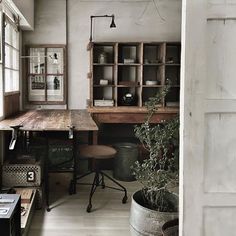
column 30, row 176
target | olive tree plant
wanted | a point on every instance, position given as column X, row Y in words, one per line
column 159, row 173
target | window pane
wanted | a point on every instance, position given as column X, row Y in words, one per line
column 15, row 58
column 15, row 38
column 11, row 78
column 15, row 81
column 8, row 80
column 55, row 61
column 7, row 56
column 8, row 33
column 37, row 61
column 55, row 88
column 36, row 88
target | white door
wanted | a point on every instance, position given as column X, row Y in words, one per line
column 208, row 118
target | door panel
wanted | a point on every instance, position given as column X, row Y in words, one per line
column 220, row 153
column 208, row 118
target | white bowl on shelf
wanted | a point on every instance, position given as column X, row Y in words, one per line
column 151, row 82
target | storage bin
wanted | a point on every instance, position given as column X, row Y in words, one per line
column 60, row 155
column 14, row 175
column 127, row 155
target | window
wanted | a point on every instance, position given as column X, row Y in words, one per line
column 1, row 79
column 46, row 74
column 11, row 50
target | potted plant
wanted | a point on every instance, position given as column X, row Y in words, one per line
column 157, row 201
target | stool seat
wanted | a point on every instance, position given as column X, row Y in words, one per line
column 97, row 152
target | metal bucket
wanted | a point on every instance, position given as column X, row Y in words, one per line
column 146, row 222
column 127, row 155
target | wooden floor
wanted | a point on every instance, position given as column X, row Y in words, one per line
column 109, row 217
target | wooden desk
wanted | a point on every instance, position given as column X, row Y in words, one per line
column 51, row 120
column 54, row 120
column 129, row 115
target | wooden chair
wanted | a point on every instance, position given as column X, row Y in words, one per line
column 96, row 154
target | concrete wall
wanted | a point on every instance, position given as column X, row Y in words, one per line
column 136, row 21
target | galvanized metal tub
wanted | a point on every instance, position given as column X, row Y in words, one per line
column 127, row 155
column 146, row 222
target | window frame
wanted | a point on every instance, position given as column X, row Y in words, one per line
column 46, row 74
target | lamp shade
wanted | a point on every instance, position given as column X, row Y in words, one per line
column 113, row 25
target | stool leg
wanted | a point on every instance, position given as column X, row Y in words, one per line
column 103, row 183
column 124, row 200
column 92, row 191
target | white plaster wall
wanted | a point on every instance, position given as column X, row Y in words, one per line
column 26, row 7
column 50, row 23
column 136, row 20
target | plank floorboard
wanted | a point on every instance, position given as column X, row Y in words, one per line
column 109, row 217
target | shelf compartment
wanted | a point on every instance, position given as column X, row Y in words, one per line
column 129, row 64
column 153, row 64
column 103, row 73
column 128, row 74
column 103, row 50
column 152, row 86
column 124, row 98
column 153, row 73
column 129, row 53
column 103, row 92
column 173, row 53
column 149, row 92
column 172, row 73
column 153, row 53
column 103, row 64
column 102, row 86
column 172, row 98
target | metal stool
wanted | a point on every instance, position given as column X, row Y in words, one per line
column 96, row 153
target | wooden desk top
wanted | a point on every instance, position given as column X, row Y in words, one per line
column 51, row 120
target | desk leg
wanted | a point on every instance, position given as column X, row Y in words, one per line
column 93, row 137
column 72, row 188
column 47, row 179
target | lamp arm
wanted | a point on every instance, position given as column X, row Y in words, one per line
column 101, row 16
column 91, row 29
column 91, row 24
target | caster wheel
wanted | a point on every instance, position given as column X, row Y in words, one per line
column 89, row 207
column 124, row 200
column 48, row 209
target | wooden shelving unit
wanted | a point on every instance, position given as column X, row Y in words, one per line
column 123, row 76
column 140, row 69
